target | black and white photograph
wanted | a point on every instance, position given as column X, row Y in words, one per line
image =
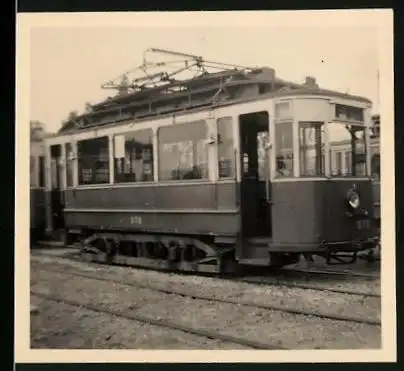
column 205, row 181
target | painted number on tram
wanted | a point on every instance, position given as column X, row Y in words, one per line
column 363, row 224
column 134, row 219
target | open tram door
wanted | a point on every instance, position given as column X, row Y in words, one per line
column 255, row 187
column 56, row 191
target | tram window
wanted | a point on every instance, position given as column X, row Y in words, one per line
column 311, row 136
column 351, row 137
column 225, row 147
column 93, row 161
column 41, row 160
column 32, row 168
column 183, row 152
column 133, row 157
column 348, row 163
column 284, row 149
column 69, row 165
column 344, row 112
column 338, row 163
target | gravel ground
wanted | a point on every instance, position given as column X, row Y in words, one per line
column 275, row 327
column 313, row 300
column 354, row 284
column 319, row 263
column 57, row 325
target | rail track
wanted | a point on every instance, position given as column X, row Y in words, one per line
column 326, row 272
column 279, row 277
column 161, row 322
column 195, row 295
column 276, row 281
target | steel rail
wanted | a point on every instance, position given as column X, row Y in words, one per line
column 276, row 281
column 160, row 322
column 280, row 308
column 258, row 280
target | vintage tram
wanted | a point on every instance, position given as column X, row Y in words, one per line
column 213, row 172
column 37, row 182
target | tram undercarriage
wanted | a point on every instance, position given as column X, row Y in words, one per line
column 204, row 254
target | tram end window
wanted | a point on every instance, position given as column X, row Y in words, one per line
column 183, row 152
column 336, row 162
column 311, row 149
column 133, row 157
column 284, row 149
column 93, row 161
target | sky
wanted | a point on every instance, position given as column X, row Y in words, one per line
column 69, row 64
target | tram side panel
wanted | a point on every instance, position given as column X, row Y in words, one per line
column 307, row 213
column 296, row 214
column 198, row 209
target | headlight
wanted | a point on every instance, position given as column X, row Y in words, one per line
column 353, row 199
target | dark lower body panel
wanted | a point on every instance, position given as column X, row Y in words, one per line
column 196, row 223
column 37, row 214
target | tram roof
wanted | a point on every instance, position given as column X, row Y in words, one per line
column 209, row 90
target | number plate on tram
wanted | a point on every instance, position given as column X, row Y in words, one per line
column 363, row 224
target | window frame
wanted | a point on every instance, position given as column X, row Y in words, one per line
column 80, row 158
column 153, row 161
column 158, row 149
column 323, row 140
column 292, row 123
column 69, row 162
column 231, row 123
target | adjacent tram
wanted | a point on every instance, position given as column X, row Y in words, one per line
column 37, row 183
column 212, row 172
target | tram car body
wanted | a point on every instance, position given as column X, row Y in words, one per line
column 37, row 188
column 231, row 169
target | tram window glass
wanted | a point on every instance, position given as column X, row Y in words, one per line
column 41, row 160
column 183, row 152
column 311, row 137
column 69, row 165
column 338, row 163
column 351, row 137
column 93, row 161
column 133, row 157
column 225, row 147
column 343, row 112
column 348, row 163
column 284, row 149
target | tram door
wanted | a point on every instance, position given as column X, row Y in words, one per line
column 255, row 179
column 57, row 196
